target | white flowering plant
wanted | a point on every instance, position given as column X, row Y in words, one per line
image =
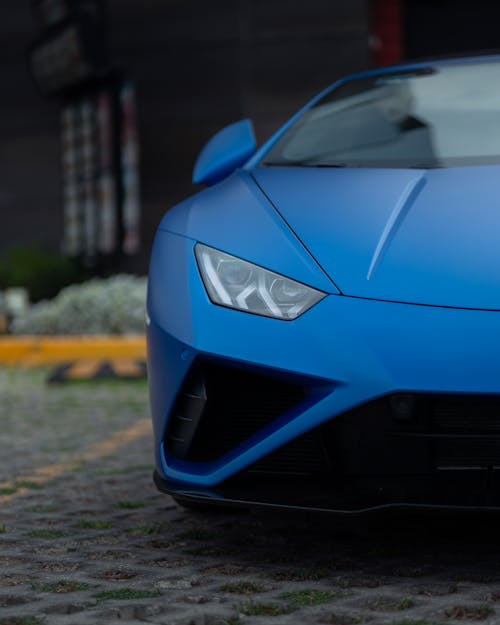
column 113, row 305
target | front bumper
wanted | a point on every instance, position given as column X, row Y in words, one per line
column 348, row 353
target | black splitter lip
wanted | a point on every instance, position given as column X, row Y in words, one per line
column 217, row 498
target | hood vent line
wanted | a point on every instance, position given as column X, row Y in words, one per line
column 396, row 218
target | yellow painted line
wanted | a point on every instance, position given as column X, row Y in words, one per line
column 118, row 440
column 35, row 350
column 96, row 451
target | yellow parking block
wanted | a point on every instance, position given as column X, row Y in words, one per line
column 127, row 368
column 84, row 369
column 98, row 370
column 32, row 351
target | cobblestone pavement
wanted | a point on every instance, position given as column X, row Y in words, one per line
column 86, row 539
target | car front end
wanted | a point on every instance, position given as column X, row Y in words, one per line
column 323, row 338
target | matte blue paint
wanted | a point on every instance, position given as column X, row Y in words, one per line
column 395, row 220
column 230, row 148
column 236, row 217
column 427, row 320
column 444, row 251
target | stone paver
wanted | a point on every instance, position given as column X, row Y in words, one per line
column 99, row 545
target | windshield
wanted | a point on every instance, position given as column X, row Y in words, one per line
column 435, row 117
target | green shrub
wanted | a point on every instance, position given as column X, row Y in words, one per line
column 43, row 273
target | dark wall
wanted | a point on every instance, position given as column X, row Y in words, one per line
column 29, row 142
column 198, row 65
column 451, row 27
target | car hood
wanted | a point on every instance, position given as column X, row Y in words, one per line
column 418, row 236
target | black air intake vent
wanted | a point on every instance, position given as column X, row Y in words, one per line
column 188, row 411
column 219, row 407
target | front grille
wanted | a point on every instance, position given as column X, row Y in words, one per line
column 463, row 414
column 411, row 448
column 303, row 456
column 463, row 431
column 471, row 428
column 220, row 407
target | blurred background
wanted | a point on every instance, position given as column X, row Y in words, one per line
column 106, row 104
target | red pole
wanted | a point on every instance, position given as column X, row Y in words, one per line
column 387, row 32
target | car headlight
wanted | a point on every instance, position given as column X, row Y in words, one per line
column 238, row 284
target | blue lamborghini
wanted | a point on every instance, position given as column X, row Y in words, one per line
column 324, row 319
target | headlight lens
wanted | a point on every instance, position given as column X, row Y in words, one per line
column 235, row 283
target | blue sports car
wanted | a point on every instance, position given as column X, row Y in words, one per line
column 324, row 320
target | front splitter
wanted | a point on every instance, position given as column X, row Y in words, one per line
column 227, row 496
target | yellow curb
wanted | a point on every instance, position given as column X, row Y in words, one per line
column 32, row 351
column 103, row 448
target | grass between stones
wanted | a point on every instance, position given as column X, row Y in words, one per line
column 29, row 485
column 242, row 588
column 308, row 596
column 41, row 509
column 470, row 612
column 145, row 529
column 22, row 620
column 130, row 505
column 254, row 608
column 93, row 524
column 418, row 621
column 388, row 604
column 300, row 575
column 342, row 619
column 62, row 586
column 11, row 490
column 126, row 593
column 231, row 620
column 3, row 528
column 117, row 574
column 47, row 533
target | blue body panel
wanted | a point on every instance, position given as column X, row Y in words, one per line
column 235, row 217
column 426, row 237
column 409, row 260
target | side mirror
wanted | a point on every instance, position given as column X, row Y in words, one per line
column 228, row 149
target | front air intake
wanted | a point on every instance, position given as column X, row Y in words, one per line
column 219, row 407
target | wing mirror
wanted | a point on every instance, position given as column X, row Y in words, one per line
column 230, row 148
